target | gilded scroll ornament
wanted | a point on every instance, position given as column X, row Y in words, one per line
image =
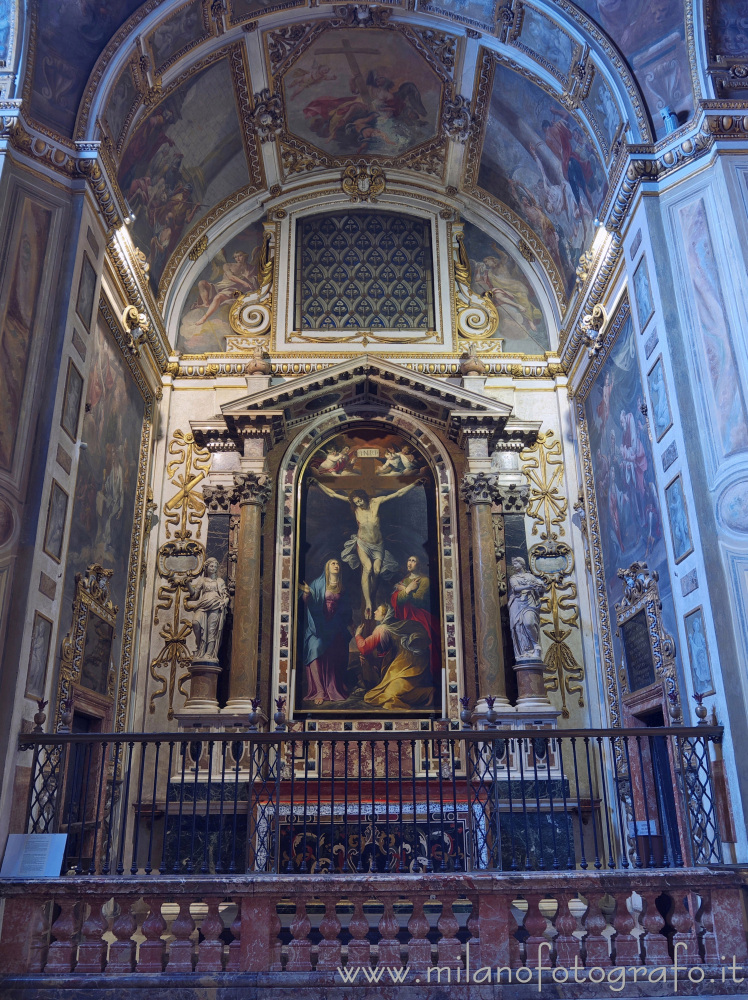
column 251, row 315
column 477, row 317
column 180, row 562
column 552, row 560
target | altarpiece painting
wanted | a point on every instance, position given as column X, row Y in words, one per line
column 368, row 638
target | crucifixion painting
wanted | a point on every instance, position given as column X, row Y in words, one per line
column 368, row 626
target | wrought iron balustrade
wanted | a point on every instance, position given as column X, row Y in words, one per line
column 442, row 801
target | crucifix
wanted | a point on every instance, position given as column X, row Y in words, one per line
column 350, row 55
column 367, row 548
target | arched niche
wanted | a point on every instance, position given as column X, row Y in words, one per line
column 318, row 527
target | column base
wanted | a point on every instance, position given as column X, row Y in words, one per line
column 531, row 692
column 237, row 706
column 203, row 685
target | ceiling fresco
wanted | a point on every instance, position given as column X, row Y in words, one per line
column 344, row 86
column 729, row 28
column 651, row 34
column 538, row 161
column 186, row 27
column 183, row 159
column 70, row 38
column 354, row 93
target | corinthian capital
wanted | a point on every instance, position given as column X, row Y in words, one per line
column 217, row 499
column 251, row 488
column 479, row 487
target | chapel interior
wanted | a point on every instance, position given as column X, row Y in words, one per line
column 373, row 493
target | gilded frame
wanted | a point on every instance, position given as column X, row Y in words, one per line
column 92, row 600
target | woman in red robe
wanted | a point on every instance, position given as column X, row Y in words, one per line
column 410, row 600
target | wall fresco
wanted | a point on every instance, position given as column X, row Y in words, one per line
column 104, row 500
column 630, row 517
column 18, row 323
column 522, row 326
column 539, row 162
column 369, row 637
column 183, row 159
column 204, row 320
column 723, row 384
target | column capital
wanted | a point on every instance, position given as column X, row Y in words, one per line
column 514, row 496
column 480, row 487
column 250, row 488
column 217, row 499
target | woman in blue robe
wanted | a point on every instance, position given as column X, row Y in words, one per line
column 326, row 636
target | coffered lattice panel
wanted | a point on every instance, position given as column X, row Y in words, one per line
column 364, row 270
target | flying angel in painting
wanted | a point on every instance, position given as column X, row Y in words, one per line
column 300, row 79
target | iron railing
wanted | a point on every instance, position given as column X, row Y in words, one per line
column 373, row 803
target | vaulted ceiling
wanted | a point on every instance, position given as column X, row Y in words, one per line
column 518, row 109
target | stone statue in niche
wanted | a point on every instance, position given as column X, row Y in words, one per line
column 208, row 601
column 525, row 595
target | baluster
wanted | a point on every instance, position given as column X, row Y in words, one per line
column 152, row 951
column 535, row 925
column 359, row 949
column 567, row 945
column 596, row 944
column 685, row 931
column 448, row 949
column 419, row 947
column 655, row 943
column 38, row 936
column 122, row 951
column 473, row 926
column 234, row 961
column 92, row 949
column 180, row 951
column 627, row 947
column 706, row 921
column 329, row 947
column 61, row 953
column 515, row 951
column 210, row 949
column 300, row 949
column 389, row 946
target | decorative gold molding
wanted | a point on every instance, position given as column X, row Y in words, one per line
column 91, row 597
column 553, row 561
column 184, row 511
column 477, row 316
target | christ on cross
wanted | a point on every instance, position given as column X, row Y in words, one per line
column 366, row 548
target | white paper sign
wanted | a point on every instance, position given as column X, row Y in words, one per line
column 33, row 855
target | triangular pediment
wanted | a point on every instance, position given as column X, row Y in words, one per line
column 367, row 379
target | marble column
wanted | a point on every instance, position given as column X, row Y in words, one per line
column 480, row 490
column 251, row 492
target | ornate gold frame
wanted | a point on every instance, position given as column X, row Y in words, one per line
column 91, row 598
column 641, row 593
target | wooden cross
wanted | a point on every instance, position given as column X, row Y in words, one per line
column 350, row 55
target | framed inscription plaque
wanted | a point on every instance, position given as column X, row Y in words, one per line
column 637, row 651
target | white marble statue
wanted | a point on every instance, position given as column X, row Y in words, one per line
column 525, row 595
column 208, row 601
